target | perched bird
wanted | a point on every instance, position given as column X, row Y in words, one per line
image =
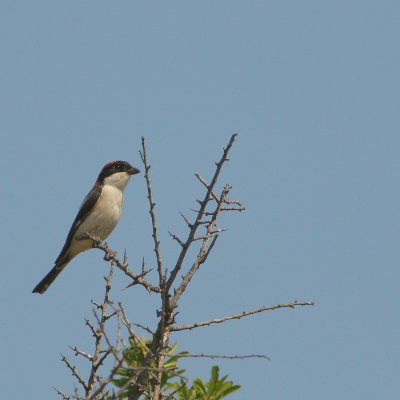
column 98, row 216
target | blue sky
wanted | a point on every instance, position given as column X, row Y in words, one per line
column 311, row 87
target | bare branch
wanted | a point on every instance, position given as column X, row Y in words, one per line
column 143, row 156
column 145, row 379
column 128, row 326
column 200, row 213
column 92, row 328
column 203, row 181
column 106, row 338
column 241, row 315
column 60, row 393
column 203, row 252
column 125, row 320
column 214, row 356
column 103, row 357
column 97, row 359
column 214, row 195
column 81, row 353
column 210, row 247
column 112, row 255
column 141, row 275
column 176, row 238
column 188, row 223
column 74, row 372
column 171, row 395
column 209, row 234
column 144, row 327
column 105, row 382
column 233, row 209
column 161, row 336
column 240, row 209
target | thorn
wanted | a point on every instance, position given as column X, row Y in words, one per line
column 125, row 257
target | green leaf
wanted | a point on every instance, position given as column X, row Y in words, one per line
column 198, row 386
column 212, row 383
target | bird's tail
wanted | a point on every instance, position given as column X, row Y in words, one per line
column 43, row 285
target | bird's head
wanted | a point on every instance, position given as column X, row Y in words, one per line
column 116, row 173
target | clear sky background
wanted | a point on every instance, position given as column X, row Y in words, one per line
column 312, row 88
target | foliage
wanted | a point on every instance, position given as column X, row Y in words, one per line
column 216, row 388
column 134, row 357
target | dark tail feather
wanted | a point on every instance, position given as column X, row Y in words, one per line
column 50, row 277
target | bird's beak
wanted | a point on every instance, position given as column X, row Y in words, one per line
column 133, row 171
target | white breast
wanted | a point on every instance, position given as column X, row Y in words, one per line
column 105, row 214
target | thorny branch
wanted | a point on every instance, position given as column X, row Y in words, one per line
column 61, row 394
column 240, row 315
column 74, row 371
column 98, row 359
column 110, row 255
column 216, row 198
column 102, row 346
column 216, row 356
column 146, row 379
column 161, row 336
column 200, row 214
column 204, row 249
column 143, row 156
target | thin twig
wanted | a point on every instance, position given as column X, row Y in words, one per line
column 240, row 209
column 92, row 328
column 188, row 223
column 81, row 353
column 106, row 338
column 176, row 238
column 213, row 194
column 74, row 372
column 214, row 356
column 143, row 156
column 209, row 234
column 144, row 327
column 63, row 395
column 106, row 381
column 171, row 395
column 128, row 325
column 203, row 252
column 163, row 335
column 112, row 255
column 98, row 359
column 200, row 213
column 240, row 315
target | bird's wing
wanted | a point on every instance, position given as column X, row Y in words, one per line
column 84, row 211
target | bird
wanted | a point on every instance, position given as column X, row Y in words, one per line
column 98, row 215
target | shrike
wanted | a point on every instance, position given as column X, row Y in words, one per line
column 98, row 216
